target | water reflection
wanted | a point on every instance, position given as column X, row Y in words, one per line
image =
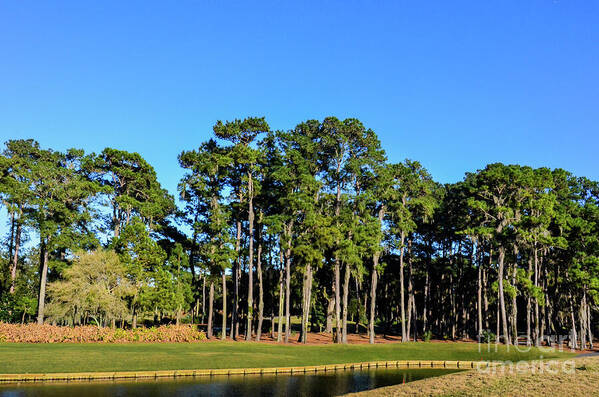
column 317, row 385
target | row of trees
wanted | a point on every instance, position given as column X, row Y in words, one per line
column 313, row 223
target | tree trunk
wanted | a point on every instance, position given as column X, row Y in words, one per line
column 15, row 256
column 498, row 322
column 401, row 289
column 501, row 259
column 548, row 325
column 461, row 289
column 544, row 312
column 306, row 303
column 411, row 303
column 337, row 290
column 409, row 317
column 411, row 326
column 553, row 306
column 357, row 322
column 573, row 336
column 192, row 257
column 281, row 302
column 374, row 280
column 309, row 301
column 337, row 269
column 514, row 305
column 330, row 310
column 453, row 314
column 272, row 322
column 43, row 278
column 224, row 322
column 345, row 299
column 11, row 238
column 537, row 336
column 250, row 313
column 236, row 272
column 589, row 328
column 529, row 308
column 134, row 318
column 210, row 309
column 583, row 319
column 116, row 219
column 203, row 298
column 479, row 297
column 373, row 286
column 260, row 289
column 427, row 288
column 288, row 284
column 486, row 289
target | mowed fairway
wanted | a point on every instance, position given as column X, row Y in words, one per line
column 46, row 358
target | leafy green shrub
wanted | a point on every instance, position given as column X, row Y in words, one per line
column 488, row 336
column 427, row 336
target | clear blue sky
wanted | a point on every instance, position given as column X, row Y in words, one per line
column 455, row 85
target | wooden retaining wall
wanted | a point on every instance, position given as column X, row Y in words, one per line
column 241, row 371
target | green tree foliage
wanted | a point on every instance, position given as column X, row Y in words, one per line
column 312, row 222
column 143, row 259
column 242, row 133
column 132, row 189
column 91, row 290
column 15, row 174
column 202, row 190
column 411, row 197
column 57, row 200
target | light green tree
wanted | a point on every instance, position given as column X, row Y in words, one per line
column 95, row 287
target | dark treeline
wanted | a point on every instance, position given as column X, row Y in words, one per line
column 312, row 224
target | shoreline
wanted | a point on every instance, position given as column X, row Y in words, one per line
column 85, row 376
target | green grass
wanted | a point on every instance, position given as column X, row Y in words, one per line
column 44, row 358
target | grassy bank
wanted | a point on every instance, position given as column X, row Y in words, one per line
column 583, row 381
column 46, row 358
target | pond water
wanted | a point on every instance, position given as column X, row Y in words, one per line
column 317, row 385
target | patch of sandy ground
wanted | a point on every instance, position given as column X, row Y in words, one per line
column 583, row 380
